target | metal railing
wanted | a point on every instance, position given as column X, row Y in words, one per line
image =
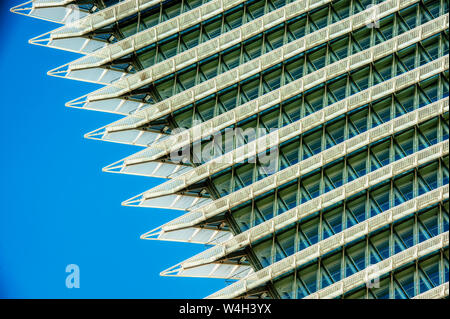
column 292, row 89
column 103, row 18
column 438, row 292
column 50, row 3
column 279, row 222
column 252, row 149
column 304, row 167
column 216, row 45
column 259, row 278
column 192, row 18
column 207, row 128
column 381, row 268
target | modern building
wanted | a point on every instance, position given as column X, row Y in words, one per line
column 305, row 142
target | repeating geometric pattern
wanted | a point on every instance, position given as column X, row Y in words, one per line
column 304, row 141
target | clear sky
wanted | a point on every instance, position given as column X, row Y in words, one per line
column 57, row 207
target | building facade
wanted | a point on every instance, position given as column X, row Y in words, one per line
column 304, row 141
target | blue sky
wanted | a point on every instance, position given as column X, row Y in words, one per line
column 57, row 207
